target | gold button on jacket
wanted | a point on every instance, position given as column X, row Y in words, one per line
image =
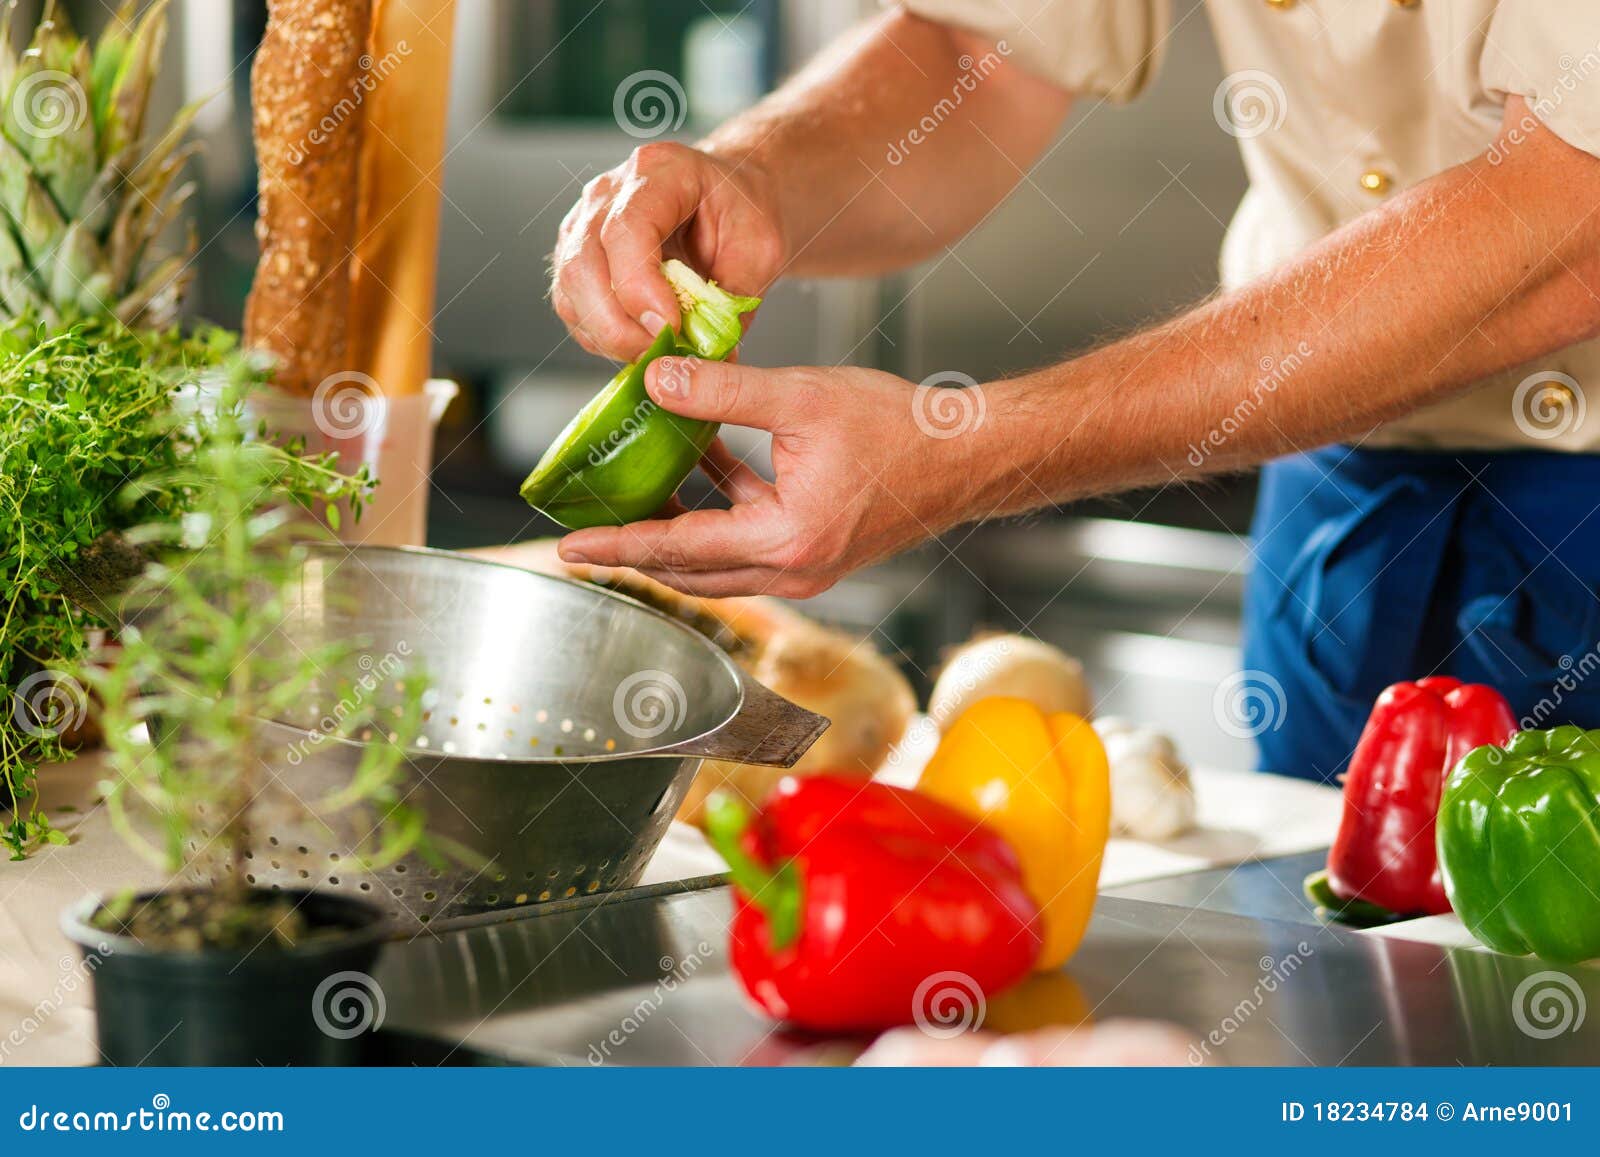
column 1376, row 181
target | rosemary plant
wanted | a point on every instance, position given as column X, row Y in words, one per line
column 202, row 656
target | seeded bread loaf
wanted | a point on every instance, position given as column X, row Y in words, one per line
column 308, row 132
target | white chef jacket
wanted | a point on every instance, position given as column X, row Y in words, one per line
column 1338, row 105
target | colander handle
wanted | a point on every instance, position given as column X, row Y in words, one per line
column 767, row 730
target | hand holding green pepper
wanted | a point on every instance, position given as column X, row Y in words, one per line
column 622, row 456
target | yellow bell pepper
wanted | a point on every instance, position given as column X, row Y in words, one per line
column 1042, row 782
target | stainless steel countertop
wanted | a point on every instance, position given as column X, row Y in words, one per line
column 1269, row 889
column 642, row 980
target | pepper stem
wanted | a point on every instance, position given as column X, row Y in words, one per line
column 711, row 324
column 776, row 892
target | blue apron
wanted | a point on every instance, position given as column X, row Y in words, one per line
column 1373, row 566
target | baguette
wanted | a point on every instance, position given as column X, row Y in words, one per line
column 308, row 133
column 402, row 188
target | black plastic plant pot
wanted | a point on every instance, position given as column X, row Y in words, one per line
column 314, row 1004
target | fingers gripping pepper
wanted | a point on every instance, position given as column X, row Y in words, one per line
column 622, row 456
column 850, row 896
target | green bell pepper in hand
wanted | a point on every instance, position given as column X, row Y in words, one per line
column 1519, row 843
column 622, row 456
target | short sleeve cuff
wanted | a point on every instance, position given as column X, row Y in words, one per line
column 1548, row 52
column 1103, row 48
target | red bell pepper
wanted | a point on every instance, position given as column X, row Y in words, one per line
column 1384, row 853
column 851, row 896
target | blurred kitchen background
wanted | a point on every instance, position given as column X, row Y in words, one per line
column 1121, row 224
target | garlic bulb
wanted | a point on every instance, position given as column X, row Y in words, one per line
column 1152, row 797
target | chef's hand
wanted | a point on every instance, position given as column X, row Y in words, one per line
column 666, row 200
column 859, row 476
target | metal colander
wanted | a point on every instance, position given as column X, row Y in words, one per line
column 564, row 724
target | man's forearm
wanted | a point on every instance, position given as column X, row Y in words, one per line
column 1483, row 268
column 892, row 144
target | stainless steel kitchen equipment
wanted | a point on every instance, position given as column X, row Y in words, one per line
column 643, row 979
column 563, row 726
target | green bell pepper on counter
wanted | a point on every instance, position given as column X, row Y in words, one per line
column 622, row 456
column 1519, row 843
